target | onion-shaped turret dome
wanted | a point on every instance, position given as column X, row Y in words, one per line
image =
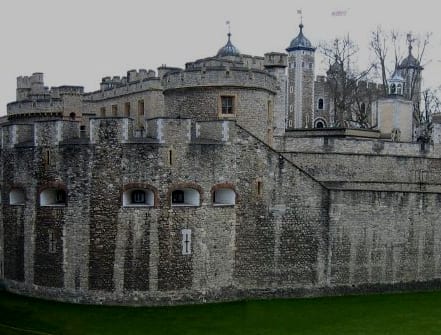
column 410, row 61
column 228, row 49
column 300, row 42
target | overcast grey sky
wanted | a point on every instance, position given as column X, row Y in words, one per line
column 79, row 42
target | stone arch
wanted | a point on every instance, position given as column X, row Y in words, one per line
column 52, row 194
column 130, row 187
column 226, row 195
column 319, row 123
column 186, row 187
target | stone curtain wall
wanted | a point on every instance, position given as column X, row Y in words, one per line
column 384, row 237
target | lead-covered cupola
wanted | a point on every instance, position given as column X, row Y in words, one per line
column 228, row 49
column 300, row 42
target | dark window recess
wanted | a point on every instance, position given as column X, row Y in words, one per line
column 60, row 197
column 320, row 104
column 178, row 197
column 227, row 105
column 138, row 197
column 320, row 124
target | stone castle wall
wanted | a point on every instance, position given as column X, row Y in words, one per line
column 286, row 234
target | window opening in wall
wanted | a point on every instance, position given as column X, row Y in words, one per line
column 224, row 197
column 399, row 89
column 82, row 131
column 17, row 197
column 185, row 197
column 319, row 124
column 114, row 110
column 392, row 89
column 72, row 116
column 291, row 108
column 363, row 107
column 138, row 197
column 259, row 187
column 186, row 241
column 103, row 111
column 141, row 107
column 53, row 197
column 52, row 242
column 127, row 109
column 178, row 197
column 290, row 123
column 320, row 103
column 227, row 104
column 291, row 89
column 60, row 197
column 170, row 157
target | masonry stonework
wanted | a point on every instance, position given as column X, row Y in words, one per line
column 203, row 184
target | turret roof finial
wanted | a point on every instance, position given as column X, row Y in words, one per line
column 229, row 49
column 410, row 40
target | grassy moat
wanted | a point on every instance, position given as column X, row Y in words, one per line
column 409, row 313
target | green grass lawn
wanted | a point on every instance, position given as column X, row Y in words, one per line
column 412, row 313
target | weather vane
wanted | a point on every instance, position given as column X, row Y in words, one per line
column 300, row 12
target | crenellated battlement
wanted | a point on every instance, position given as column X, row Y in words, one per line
column 114, row 130
column 220, row 76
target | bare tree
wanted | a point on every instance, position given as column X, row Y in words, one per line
column 347, row 86
column 387, row 62
column 429, row 104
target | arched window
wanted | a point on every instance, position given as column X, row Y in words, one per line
column 72, row 116
column 224, row 197
column 17, row 197
column 393, row 89
column 53, row 197
column 185, row 197
column 138, row 197
column 363, row 107
column 320, row 103
column 319, row 123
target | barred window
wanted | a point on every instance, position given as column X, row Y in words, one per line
column 227, row 103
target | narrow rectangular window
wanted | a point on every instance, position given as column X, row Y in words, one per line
column 52, row 242
column 114, row 110
column 289, row 123
column 227, row 105
column 291, row 89
column 127, row 109
column 186, row 241
column 141, row 107
column 170, row 157
column 102, row 111
column 259, row 188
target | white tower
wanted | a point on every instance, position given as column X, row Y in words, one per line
column 301, row 66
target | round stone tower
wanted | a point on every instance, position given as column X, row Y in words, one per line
column 224, row 87
column 301, row 63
